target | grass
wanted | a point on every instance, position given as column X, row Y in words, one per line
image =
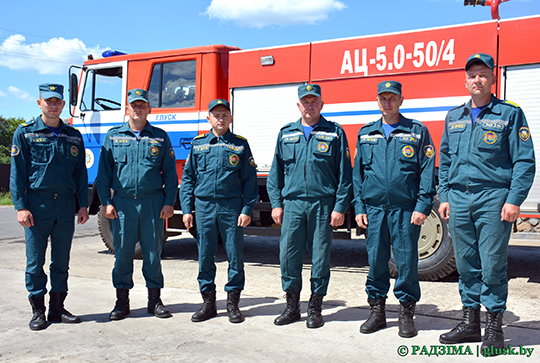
column 5, row 198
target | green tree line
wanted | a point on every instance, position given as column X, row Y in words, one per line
column 7, row 128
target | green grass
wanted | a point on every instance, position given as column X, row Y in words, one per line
column 5, row 198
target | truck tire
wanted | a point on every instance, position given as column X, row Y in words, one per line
column 105, row 229
column 436, row 254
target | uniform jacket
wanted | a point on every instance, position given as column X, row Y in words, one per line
column 496, row 152
column 134, row 167
column 219, row 167
column 397, row 172
column 41, row 162
column 318, row 167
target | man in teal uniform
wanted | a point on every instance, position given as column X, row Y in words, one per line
column 137, row 162
column 47, row 173
column 220, row 184
column 486, row 169
column 394, row 185
column 309, row 186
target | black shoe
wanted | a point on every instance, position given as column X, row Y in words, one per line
column 493, row 334
column 57, row 313
column 155, row 305
column 292, row 312
column 38, row 321
column 315, row 318
column 377, row 318
column 468, row 331
column 208, row 309
column 233, row 312
column 406, row 322
column 121, row 308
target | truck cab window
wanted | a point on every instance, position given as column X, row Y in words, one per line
column 173, row 84
column 102, row 90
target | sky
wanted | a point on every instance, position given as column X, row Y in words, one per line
column 40, row 40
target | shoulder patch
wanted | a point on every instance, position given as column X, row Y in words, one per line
column 511, row 103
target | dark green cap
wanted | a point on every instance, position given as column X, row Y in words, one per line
column 137, row 94
column 50, row 90
column 480, row 58
column 309, row 89
column 219, row 102
column 389, row 86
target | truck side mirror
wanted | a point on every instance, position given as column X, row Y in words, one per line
column 73, row 89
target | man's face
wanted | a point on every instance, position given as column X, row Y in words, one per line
column 220, row 118
column 479, row 80
column 51, row 107
column 138, row 110
column 389, row 103
column 310, row 107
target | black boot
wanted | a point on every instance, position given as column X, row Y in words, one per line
column 155, row 305
column 292, row 312
column 208, row 309
column 121, row 308
column 406, row 322
column 468, row 331
column 57, row 313
column 38, row 321
column 493, row 334
column 233, row 312
column 377, row 318
column 315, row 318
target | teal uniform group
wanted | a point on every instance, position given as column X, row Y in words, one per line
column 394, row 182
column 137, row 162
column 309, row 186
column 219, row 184
column 48, row 173
column 487, row 167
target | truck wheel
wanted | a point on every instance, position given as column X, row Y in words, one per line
column 435, row 251
column 105, row 229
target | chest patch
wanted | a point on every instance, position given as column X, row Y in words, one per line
column 234, row 159
column 322, row 147
column 74, row 150
column 490, row 137
column 154, row 150
column 408, row 151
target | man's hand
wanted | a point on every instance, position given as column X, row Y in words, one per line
column 444, row 210
column 110, row 212
column 337, row 219
column 167, row 211
column 361, row 220
column 188, row 221
column 25, row 218
column 277, row 215
column 509, row 212
column 418, row 218
column 82, row 216
column 243, row 220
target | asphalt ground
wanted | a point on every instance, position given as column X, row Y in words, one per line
column 141, row 337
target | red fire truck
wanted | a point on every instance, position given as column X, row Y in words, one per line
column 428, row 62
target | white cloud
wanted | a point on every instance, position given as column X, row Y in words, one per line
column 3, row 94
column 261, row 13
column 21, row 95
column 51, row 57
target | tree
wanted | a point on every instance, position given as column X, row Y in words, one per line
column 7, row 129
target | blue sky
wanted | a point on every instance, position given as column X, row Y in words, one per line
column 39, row 40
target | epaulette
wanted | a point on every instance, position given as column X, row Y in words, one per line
column 28, row 123
column 511, row 103
column 240, row 137
column 199, row 136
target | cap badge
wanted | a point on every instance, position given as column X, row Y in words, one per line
column 138, row 93
column 308, row 88
column 52, row 88
column 387, row 84
column 477, row 56
column 219, row 102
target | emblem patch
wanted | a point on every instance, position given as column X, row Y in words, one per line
column 429, row 151
column 355, row 152
column 348, row 153
column 322, row 147
column 252, row 162
column 524, row 133
column 15, row 150
column 171, row 152
column 490, row 137
column 234, row 159
column 154, row 150
column 74, row 150
column 408, row 151
column 89, row 160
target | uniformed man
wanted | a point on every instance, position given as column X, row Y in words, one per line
column 486, row 169
column 394, row 185
column 309, row 186
column 137, row 162
column 219, row 184
column 48, row 173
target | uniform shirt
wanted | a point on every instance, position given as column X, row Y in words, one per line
column 137, row 167
column 219, row 167
column 398, row 171
column 318, row 167
column 496, row 152
column 42, row 162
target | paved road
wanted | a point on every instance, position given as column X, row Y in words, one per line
column 142, row 338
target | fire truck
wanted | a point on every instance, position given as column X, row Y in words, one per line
column 261, row 85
